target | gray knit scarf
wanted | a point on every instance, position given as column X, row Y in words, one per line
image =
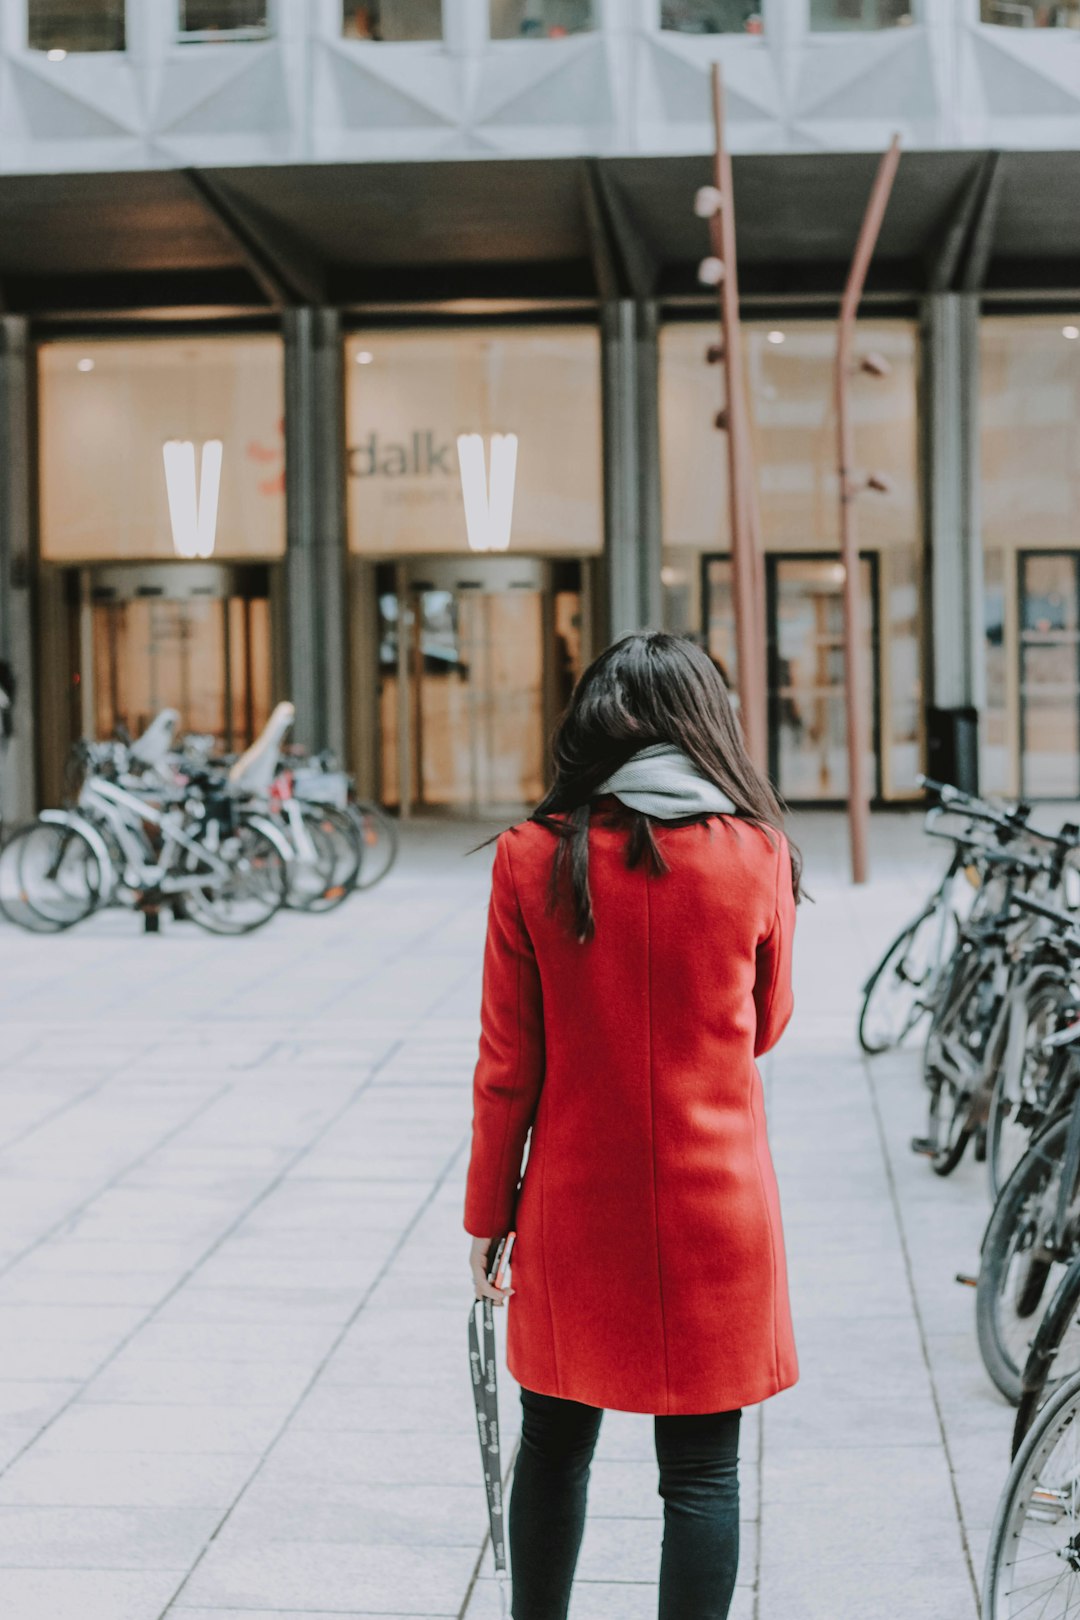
column 663, row 782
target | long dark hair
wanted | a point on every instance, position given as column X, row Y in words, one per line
column 647, row 688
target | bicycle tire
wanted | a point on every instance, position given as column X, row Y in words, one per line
column 338, row 833
column 37, row 900
column 1004, row 1154
column 1028, row 1491
column 260, row 878
column 891, row 977
column 953, row 1144
column 380, row 839
column 1001, row 1244
column 1044, row 1371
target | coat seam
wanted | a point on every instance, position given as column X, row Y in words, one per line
column 517, row 1048
column 754, row 1076
column 652, row 1136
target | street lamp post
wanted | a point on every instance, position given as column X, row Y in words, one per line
column 856, row 677
column 716, row 203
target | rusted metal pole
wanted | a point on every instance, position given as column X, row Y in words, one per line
column 856, row 676
column 749, row 614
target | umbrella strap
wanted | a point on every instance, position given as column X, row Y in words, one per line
column 485, row 1396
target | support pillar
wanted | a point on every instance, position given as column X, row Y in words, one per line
column 954, row 596
column 315, row 508
column 631, row 467
column 18, row 561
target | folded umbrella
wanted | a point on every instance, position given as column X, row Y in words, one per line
column 486, row 1398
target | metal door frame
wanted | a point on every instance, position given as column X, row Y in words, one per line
column 486, row 575
column 1022, row 556
column 772, row 560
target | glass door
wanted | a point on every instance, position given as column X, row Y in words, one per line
column 474, row 661
column 1049, row 674
column 194, row 641
column 805, row 635
column 807, row 715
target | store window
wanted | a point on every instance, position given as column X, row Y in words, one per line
column 541, row 19
column 60, row 27
column 162, row 448
column 474, row 440
column 1030, row 13
column 1029, row 425
column 392, row 19
column 711, row 16
column 790, row 389
column 224, row 20
column 846, row 16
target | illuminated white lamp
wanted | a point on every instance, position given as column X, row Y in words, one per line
column 193, row 503
column 365, row 357
column 707, row 202
column 55, row 56
column 1070, row 331
column 488, row 492
column 85, row 364
column 711, row 271
column 776, row 337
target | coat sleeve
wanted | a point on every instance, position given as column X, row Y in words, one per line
column 772, row 984
column 510, row 1069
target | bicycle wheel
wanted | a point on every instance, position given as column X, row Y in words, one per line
column 950, row 1126
column 895, row 995
column 1033, row 1561
column 310, row 872
column 1054, row 1354
column 1025, row 1081
column 378, row 839
column 334, row 832
column 1018, row 1274
column 251, row 893
column 50, row 878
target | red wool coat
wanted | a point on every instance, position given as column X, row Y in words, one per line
column 649, row 1270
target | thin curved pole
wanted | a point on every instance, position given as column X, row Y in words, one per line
column 856, row 676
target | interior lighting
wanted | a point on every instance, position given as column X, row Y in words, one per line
column 85, row 364
column 55, row 56
column 707, row 202
column 488, row 494
column 193, row 504
column 1070, row 331
column 365, row 357
column 711, row 271
column 776, row 337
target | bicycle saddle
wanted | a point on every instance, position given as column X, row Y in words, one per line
column 254, row 771
column 156, row 740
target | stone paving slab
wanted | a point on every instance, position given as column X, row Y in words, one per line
column 233, row 1291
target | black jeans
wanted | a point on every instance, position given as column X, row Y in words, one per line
column 698, row 1458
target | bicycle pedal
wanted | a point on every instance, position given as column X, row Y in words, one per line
column 965, row 1281
column 923, row 1145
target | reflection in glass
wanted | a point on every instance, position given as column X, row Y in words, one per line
column 806, row 677
column 541, row 19
column 391, row 19
column 849, row 15
column 223, row 19
column 75, row 25
column 1031, row 13
column 210, row 659
column 1050, row 675
column 711, row 16
column 994, row 739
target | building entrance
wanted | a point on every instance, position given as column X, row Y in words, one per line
column 805, row 631
column 194, row 637
column 1049, row 588
column 476, row 658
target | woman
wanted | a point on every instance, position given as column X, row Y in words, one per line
column 638, row 959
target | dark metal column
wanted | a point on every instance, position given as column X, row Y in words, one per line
column 315, row 508
column 949, row 411
column 18, row 561
column 631, row 466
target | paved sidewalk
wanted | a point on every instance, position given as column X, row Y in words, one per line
column 233, row 1379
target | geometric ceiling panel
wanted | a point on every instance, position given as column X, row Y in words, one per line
column 364, row 99
column 54, row 112
column 898, row 84
column 1012, row 87
column 254, row 98
column 567, row 88
column 683, row 95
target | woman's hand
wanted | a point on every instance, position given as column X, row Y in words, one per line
column 478, row 1254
